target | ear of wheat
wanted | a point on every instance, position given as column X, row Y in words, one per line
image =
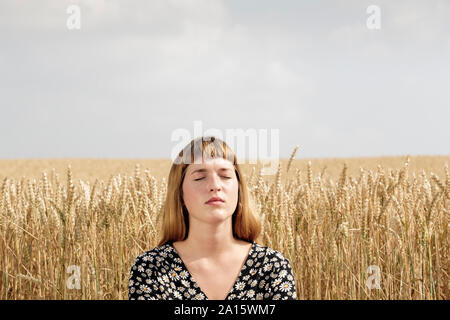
column 333, row 231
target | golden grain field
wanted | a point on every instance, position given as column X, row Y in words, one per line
column 336, row 220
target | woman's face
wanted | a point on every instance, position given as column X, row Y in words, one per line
column 212, row 178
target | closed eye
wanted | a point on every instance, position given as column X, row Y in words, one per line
column 203, row 177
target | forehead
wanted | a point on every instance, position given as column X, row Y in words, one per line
column 211, row 164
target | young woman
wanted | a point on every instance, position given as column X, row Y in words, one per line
column 208, row 248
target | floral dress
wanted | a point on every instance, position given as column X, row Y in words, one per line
column 161, row 274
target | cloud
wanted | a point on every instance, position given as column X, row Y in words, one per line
column 145, row 68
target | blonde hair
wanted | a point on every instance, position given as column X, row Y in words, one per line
column 175, row 225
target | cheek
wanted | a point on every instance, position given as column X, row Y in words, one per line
column 189, row 192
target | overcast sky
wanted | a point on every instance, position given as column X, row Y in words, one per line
column 137, row 71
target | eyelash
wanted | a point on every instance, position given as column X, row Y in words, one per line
column 202, row 178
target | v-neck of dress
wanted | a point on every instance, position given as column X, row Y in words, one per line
column 195, row 282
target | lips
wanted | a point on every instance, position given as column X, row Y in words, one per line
column 214, row 199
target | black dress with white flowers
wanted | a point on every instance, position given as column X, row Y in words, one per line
column 161, row 274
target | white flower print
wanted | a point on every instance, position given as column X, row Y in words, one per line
column 177, row 260
column 199, row 296
column 266, row 274
column 177, row 268
column 277, row 282
column 240, row 285
column 285, row 286
column 144, row 288
column 191, row 291
column 267, row 267
column 185, row 283
column 173, row 275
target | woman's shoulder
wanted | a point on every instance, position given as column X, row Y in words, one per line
column 155, row 255
column 270, row 254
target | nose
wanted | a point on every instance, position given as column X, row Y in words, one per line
column 214, row 183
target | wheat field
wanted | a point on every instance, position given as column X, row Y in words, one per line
column 358, row 228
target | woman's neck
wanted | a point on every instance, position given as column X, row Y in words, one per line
column 210, row 240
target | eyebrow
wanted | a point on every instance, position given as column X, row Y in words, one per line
column 205, row 170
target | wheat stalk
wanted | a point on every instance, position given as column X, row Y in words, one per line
column 330, row 232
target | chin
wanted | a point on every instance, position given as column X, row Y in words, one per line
column 218, row 216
